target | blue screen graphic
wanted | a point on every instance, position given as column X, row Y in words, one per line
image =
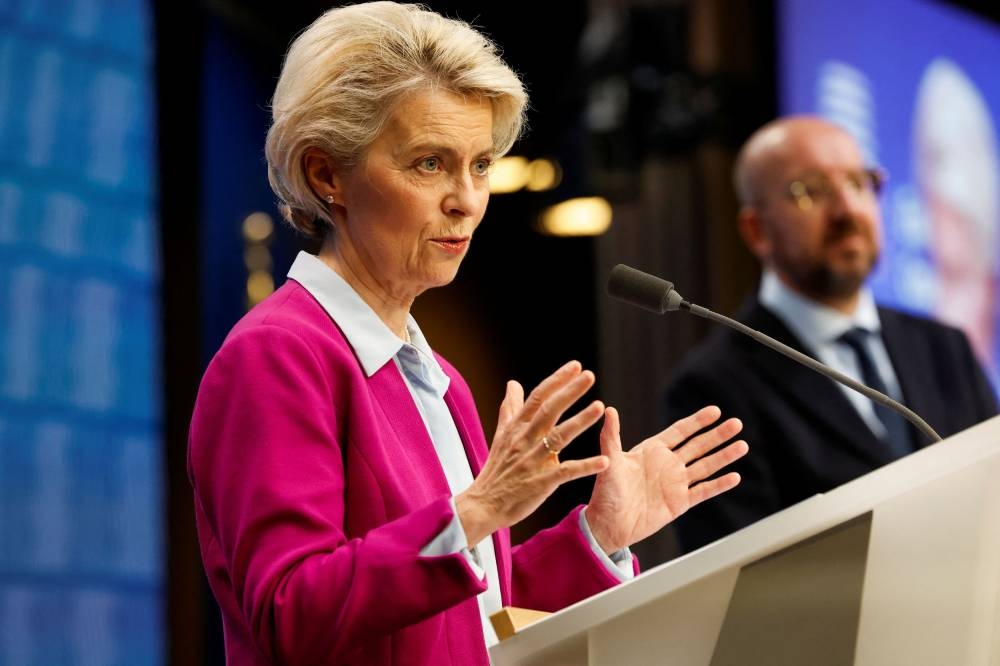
column 81, row 550
column 916, row 83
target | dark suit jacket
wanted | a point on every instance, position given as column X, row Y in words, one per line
column 805, row 436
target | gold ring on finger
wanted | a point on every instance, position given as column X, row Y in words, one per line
column 545, row 443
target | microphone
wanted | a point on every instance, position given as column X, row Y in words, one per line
column 657, row 295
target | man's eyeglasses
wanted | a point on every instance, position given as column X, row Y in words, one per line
column 819, row 189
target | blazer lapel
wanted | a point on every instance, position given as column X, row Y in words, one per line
column 911, row 360
column 465, row 430
column 469, row 433
column 402, row 415
column 816, row 395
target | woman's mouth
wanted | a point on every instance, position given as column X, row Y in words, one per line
column 452, row 244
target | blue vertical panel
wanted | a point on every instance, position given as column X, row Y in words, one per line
column 81, row 506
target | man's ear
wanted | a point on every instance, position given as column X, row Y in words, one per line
column 321, row 174
column 751, row 229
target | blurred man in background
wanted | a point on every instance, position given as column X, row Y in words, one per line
column 810, row 214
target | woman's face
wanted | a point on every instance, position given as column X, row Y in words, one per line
column 410, row 208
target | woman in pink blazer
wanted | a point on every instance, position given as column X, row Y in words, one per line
column 349, row 509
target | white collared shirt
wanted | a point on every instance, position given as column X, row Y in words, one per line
column 819, row 327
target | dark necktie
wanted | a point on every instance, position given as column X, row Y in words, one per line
column 897, row 432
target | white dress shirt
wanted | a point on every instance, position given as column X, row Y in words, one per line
column 819, row 327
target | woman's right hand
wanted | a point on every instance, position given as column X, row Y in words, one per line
column 520, row 472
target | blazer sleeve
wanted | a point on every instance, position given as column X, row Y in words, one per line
column 985, row 395
column 557, row 567
column 266, row 463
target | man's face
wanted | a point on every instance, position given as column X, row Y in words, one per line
column 818, row 212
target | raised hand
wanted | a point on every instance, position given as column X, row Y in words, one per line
column 523, row 467
column 655, row 482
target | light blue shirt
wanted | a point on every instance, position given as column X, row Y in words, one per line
column 818, row 327
column 375, row 344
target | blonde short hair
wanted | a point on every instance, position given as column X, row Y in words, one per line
column 345, row 74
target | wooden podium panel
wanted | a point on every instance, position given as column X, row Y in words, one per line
column 901, row 566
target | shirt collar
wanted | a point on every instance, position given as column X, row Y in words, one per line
column 811, row 322
column 373, row 342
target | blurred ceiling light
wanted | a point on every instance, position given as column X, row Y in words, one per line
column 260, row 284
column 584, row 216
column 257, row 227
column 543, row 174
column 257, row 257
column 509, row 174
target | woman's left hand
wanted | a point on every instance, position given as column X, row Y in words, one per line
column 655, row 482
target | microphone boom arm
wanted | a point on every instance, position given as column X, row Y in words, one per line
column 812, row 363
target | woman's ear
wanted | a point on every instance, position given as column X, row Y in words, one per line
column 321, row 174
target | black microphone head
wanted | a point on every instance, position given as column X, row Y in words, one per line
column 647, row 291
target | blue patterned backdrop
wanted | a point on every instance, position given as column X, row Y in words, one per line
column 864, row 65
column 81, row 506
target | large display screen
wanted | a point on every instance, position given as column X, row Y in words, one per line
column 916, row 82
column 81, row 539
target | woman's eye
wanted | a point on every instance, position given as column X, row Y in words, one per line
column 430, row 164
column 481, row 167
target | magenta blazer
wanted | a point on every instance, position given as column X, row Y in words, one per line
column 315, row 489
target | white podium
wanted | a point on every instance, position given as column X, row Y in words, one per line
column 900, row 566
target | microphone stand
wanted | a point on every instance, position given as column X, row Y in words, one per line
column 796, row 355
